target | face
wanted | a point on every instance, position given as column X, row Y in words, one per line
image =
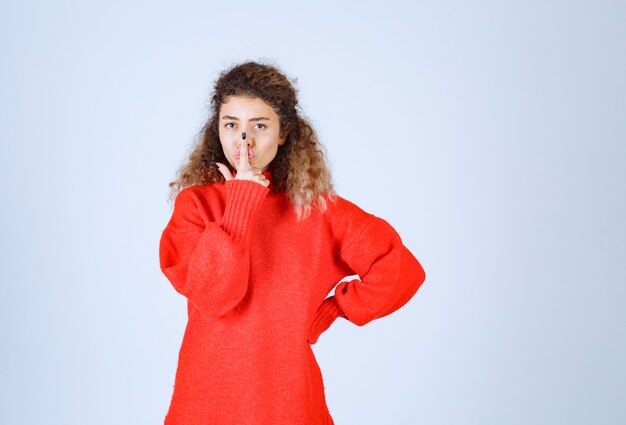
column 260, row 123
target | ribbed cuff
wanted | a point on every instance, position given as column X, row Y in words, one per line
column 326, row 314
column 242, row 198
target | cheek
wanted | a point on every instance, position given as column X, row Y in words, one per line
column 223, row 141
column 272, row 140
column 271, row 147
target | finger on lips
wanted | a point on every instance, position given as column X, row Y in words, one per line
column 243, row 153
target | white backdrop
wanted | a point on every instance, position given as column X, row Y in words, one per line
column 491, row 135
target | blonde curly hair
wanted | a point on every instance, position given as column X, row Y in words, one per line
column 300, row 167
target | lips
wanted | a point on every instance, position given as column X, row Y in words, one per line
column 250, row 156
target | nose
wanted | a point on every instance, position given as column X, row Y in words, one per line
column 247, row 138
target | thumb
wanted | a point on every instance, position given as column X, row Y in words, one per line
column 224, row 170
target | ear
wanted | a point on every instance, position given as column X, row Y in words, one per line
column 283, row 134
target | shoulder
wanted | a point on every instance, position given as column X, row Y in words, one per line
column 349, row 220
column 200, row 199
column 341, row 208
column 345, row 217
column 200, row 192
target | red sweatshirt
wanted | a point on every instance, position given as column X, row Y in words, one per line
column 256, row 282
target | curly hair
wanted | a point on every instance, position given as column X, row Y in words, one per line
column 300, row 167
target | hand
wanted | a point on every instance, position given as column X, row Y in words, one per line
column 245, row 171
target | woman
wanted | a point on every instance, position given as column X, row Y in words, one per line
column 256, row 242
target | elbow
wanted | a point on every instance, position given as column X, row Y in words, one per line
column 176, row 277
column 206, row 295
column 218, row 302
column 420, row 274
column 414, row 271
column 219, row 311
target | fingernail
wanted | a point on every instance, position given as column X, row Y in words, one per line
column 243, row 135
column 215, row 165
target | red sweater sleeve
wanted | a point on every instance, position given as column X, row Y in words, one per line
column 390, row 274
column 208, row 260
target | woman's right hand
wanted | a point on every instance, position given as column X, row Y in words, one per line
column 245, row 171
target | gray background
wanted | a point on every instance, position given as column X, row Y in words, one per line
column 491, row 135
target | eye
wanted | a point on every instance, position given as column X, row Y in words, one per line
column 229, row 125
column 259, row 125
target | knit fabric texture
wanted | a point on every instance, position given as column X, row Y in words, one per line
column 259, row 288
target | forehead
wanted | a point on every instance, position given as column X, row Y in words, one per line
column 246, row 106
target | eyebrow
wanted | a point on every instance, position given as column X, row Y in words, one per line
column 228, row 117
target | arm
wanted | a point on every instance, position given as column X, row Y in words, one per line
column 207, row 260
column 390, row 276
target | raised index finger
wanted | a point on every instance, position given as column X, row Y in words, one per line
column 244, row 163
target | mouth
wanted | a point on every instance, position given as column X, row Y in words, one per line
column 250, row 156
